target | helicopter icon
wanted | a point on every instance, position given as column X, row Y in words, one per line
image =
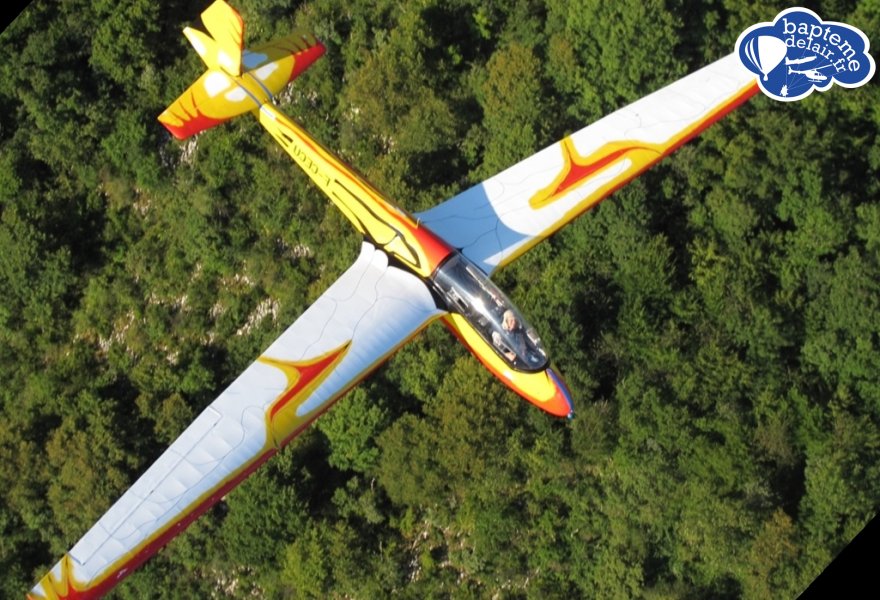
column 812, row 74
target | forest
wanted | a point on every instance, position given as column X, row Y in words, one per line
column 717, row 319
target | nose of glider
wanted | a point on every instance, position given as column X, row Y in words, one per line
column 560, row 404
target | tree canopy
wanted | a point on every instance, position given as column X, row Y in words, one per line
column 718, row 319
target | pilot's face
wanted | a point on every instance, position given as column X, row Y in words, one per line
column 509, row 322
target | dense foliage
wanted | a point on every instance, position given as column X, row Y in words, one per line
column 718, row 319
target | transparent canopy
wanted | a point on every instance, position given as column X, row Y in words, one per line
column 470, row 293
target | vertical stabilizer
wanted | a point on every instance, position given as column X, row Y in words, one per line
column 221, row 49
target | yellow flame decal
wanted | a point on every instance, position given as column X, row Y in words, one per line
column 64, row 588
column 303, row 378
column 577, row 169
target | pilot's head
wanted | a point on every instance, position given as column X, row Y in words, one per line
column 508, row 320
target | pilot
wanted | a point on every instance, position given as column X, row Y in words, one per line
column 508, row 321
column 516, row 337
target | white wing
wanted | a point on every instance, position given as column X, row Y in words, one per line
column 369, row 312
column 496, row 221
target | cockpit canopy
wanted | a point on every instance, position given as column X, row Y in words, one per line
column 470, row 293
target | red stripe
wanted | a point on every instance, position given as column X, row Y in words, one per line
column 307, row 374
column 303, row 60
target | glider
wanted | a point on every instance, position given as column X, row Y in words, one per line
column 411, row 271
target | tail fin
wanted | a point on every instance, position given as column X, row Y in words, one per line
column 223, row 48
column 237, row 80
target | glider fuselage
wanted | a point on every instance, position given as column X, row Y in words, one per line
column 479, row 314
column 389, row 227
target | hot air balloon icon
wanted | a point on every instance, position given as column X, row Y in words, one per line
column 765, row 52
